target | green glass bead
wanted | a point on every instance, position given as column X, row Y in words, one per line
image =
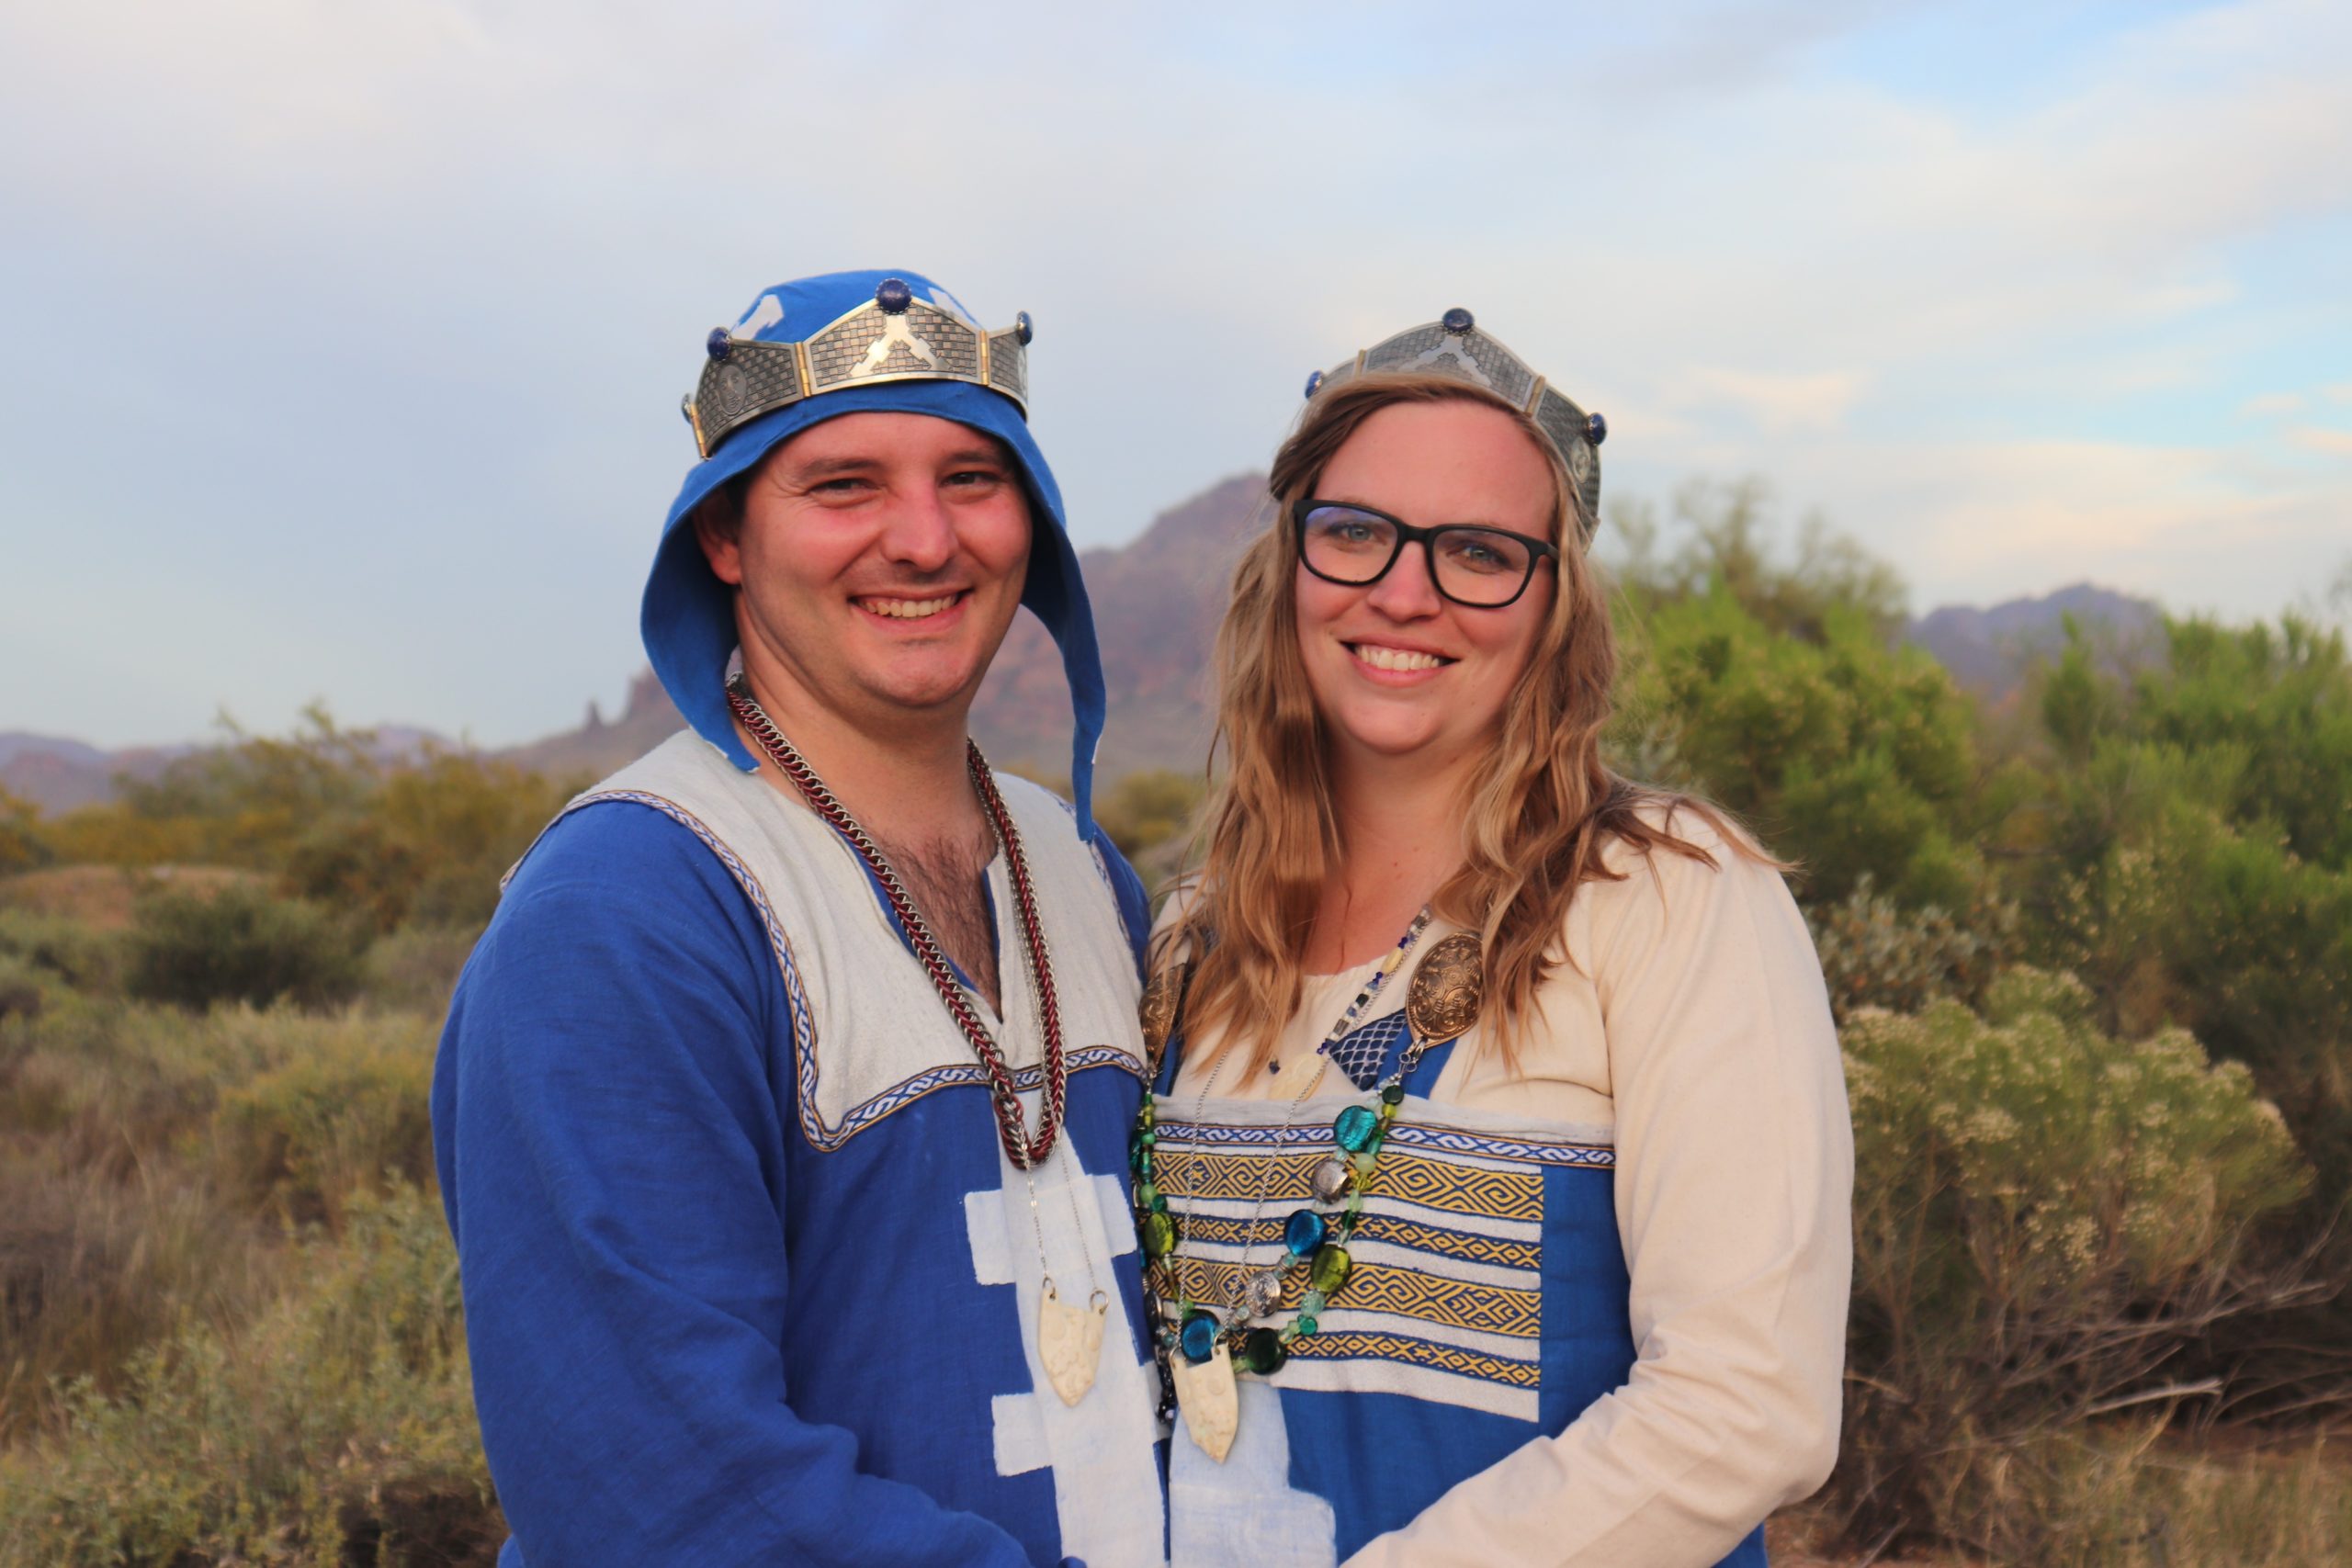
column 1158, row 1203
column 1311, row 1303
column 1364, row 1162
column 1147, row 1137
column 1305, row 1323
column 1329, row 1270
column 1157, row 1234
column 1262, row 1352
column 1387, row 1113
column 1356, row 1129
column 1392, row 1094
column 1145, row 1193
column 1355, row 1207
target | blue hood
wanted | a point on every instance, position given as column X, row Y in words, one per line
column 688, row 618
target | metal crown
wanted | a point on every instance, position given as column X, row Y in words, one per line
column 895, row 336
column 1453, row 345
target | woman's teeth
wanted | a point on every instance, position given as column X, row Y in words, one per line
column 907, row 609
column 1380, row 658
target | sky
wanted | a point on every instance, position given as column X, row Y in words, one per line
column 342, row 340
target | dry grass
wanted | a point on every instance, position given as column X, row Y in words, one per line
column 103, row 896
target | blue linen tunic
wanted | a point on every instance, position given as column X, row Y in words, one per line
column 708, row 1325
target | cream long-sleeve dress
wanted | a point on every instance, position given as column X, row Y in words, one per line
column 1603, row 1293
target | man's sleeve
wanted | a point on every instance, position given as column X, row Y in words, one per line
column 609, row 1143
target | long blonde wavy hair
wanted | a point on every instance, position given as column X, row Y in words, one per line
column 1536, row 817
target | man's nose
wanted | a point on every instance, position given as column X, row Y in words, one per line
column 920, row 531
column 1406, row 591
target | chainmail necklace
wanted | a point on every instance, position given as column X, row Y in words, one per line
column 1069, row 1339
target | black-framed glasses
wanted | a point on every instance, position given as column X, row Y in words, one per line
column 1478, row 566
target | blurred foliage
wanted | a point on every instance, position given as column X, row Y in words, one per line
column 334, row 1426
column 1875, row 953
column 2047, row 1217
column 22, row 847
column 384, row 839
column 241, row 945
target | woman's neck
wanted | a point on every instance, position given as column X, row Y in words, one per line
column 1400, row 839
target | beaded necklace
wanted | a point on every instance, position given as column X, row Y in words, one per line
column 1198, row 1353
column 1069, row 1340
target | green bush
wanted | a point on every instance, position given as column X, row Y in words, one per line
column 241, row 944
column 2044, row 1216
column 306, row 1135
column 335, row 1428
column 415, row 968
column 1875, row 953
column 60, row 950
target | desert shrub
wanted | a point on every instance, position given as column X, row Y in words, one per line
column 115, row 1084
column 335, row 1427
column 2045, row 1216
column 60, row 950
column 305, row 1135
column 415, row 968
column 1875, row 953
column 241, row 944
column 93, row 1267
column 22, row 844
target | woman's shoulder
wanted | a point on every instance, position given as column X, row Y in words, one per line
column 1685, row 856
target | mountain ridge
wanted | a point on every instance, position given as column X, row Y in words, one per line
column 1156, row 601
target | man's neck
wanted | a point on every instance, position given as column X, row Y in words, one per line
column 906, row 783
column 901, row 776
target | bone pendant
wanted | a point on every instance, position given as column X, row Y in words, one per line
column 1069, row 1343
column 1210, row 1403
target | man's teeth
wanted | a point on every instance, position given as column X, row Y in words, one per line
column 907, row 609
column 1380, row 658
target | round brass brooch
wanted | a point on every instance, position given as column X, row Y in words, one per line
column 1157, row 1012
column 1449, row 985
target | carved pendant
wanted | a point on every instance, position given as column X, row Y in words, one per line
column 1069, row 1342
column 1210, row 1403
column 1157, row 1013
column 1449, row 986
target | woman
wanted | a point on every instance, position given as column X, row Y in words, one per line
column 1495, row 1188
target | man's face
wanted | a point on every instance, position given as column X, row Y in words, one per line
column 881, row 556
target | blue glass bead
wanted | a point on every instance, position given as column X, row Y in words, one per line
column 1356, row 1128
column 894, row 296
column 1457, row 321
column 1595, row 429
column 1314, row 379
column 1304, row 1234
column 718, row 345
column 1198, row 1338
column 1021, row 329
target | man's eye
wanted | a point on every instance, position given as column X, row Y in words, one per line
column 969, row 477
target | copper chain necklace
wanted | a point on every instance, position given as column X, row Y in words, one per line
column 1026, row 1151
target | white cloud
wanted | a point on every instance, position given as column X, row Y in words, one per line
column 2315, row 438
column 2270, row 404
column 1781, row 405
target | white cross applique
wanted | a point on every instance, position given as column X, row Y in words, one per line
column 1100, row 1449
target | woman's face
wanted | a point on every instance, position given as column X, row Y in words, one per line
column 1400, row 673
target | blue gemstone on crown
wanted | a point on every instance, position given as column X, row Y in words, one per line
column 1021, row 329
column 1457, row 321
column 894, row 296
column 1595, row 429
column 718, row 345
column 1314, row 379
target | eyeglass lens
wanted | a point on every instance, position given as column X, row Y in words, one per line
column 1472, row 566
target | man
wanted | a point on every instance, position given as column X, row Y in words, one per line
column 782, row 1110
